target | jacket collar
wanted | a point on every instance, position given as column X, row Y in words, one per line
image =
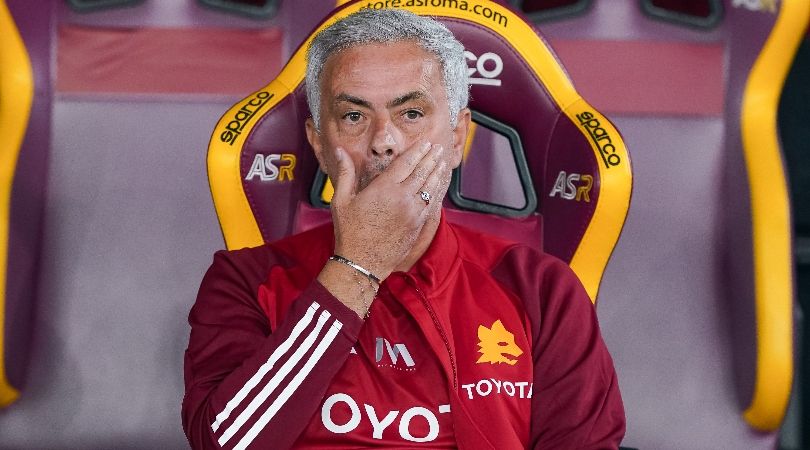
column 434, row 267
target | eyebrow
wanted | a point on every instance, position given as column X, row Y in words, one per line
column 352, row 99
column 402, row 99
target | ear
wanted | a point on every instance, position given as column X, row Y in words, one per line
column 460, row 136
column 314, row 139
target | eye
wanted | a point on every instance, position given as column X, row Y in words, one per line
column 413, row 114
column 352, row 116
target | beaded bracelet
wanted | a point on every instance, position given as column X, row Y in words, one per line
column 366, row 304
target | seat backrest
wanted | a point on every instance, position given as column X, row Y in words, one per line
column 698, row 302
column 572, row 164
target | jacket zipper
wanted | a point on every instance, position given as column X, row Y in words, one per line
column 438, row 326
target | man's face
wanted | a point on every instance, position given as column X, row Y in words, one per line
column 378, row 100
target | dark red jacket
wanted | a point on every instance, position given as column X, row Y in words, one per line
column 513, row 330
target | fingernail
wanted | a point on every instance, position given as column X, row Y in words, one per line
column 339, row 153
column 426, row 146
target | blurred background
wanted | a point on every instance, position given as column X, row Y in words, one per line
column 108, row 224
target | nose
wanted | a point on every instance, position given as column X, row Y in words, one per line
column 387, row 140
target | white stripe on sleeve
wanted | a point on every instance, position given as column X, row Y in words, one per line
column 266, row 367
column 271, row 385
column 291, row 387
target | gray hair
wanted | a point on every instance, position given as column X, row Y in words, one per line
column 386, row 26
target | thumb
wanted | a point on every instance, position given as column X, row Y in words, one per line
column 346, row 183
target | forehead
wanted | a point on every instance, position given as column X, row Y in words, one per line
column 381, row 68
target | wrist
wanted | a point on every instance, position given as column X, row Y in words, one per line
column 350, row 287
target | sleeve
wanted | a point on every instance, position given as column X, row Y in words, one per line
column 248, row 387
column 576, row 403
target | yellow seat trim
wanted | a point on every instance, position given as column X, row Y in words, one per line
column 16, row 96
column 770, row 215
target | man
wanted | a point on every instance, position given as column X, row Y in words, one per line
column 392, row 328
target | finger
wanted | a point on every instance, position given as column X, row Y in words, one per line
column 346, row 182
column 433, row 186
column 434, row 180
column 422, row 171
column 405, row 163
